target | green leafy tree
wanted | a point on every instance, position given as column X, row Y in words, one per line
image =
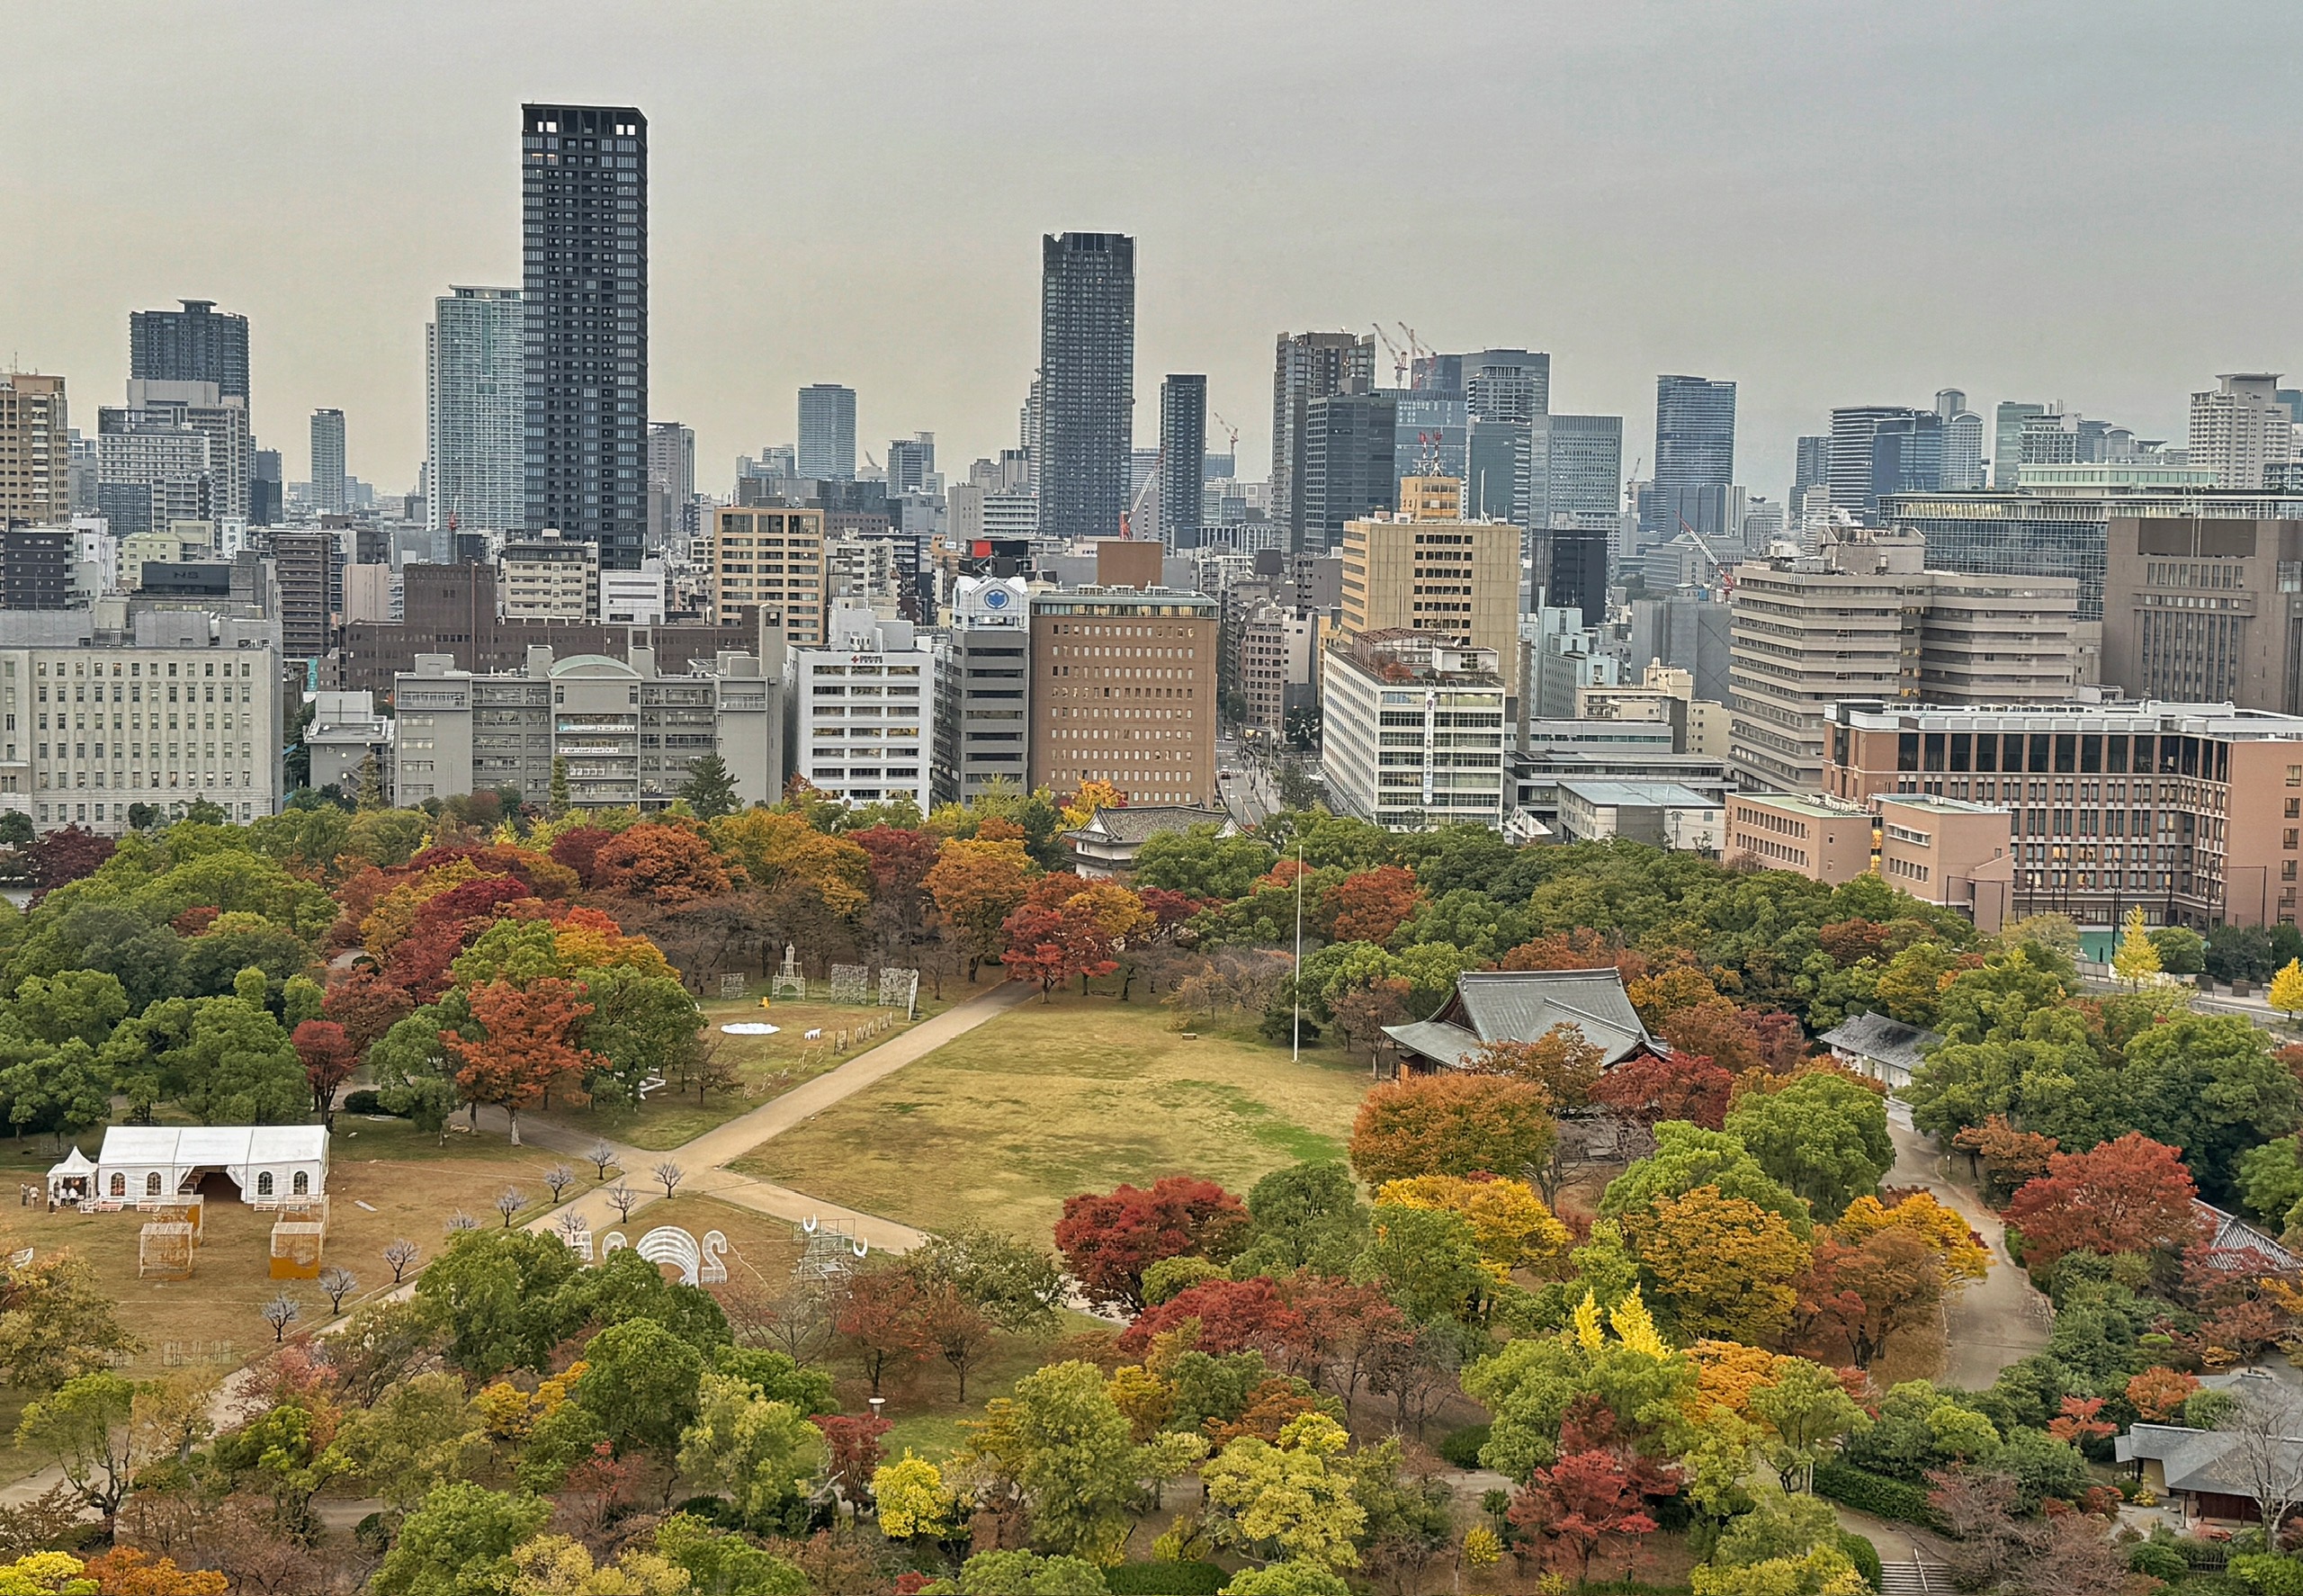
column 710, row 790
column 57, row 1322
column 2182, row 950
column 1202, row 863
column 1824, row 1135
column 1065, row 1442
column 420, row 1434
column 414, row 1072
column 495, row 1298
column 639, row 1023
column 1293, row 1499
column 721, row 1564
column 1429, row 1263
column 1687, row 1156
column 459, row 1543
column 641, row 1382
column 1804, row 1409
column 85, row 1004
column 1305, row 1215
column 86, row 1425
column 760, row 1452
column 558, row 802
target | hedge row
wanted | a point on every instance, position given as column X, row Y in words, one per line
column 1874, row 1493
column 1165, row 1579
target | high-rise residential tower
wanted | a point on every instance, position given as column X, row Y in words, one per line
column 327, row 462
column 193, row 344
column 827, row 432
column 1308, row 366
column 583, row 189
column 2240, row 427
column 671, row 483
column 475, row 412
column 35, row 451
column 1962, row 442
column 1183, row 458
column 1087, row 381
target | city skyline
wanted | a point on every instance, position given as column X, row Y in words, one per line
column 1796, row 296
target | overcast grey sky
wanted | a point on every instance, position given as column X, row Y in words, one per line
column 1832, row 203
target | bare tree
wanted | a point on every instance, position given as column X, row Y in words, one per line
column 2266, row 1463
column 602, row 1157
column 401, row 1254
column 558, row 1177
column 280, row 1313
column 668, row 1175
column 338, row 1283
column 459, row 1222
column 572, row 1227
column 621, row 1198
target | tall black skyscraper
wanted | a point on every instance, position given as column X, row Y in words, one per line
column 193, row 344
column 1087, row 381
column 1348, row 457
column 584, row 188
column 1183, row 458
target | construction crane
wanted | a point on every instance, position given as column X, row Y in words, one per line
column 1415, row 345
column 1400, row 361
column 1127, row 517
column 1231, row 432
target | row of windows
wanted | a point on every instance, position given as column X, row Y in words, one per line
column 300, row 1184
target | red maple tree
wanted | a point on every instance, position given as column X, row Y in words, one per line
column 526, row 1046
column 1685, row 1086
column 328, row 1058
column 875, row 1313
column 1370, row 906
column 578, row 847
column 1597, row 1490
column 1233, row 1315
column 366, row 1006
column 1109, row 1239
column 2132, row 1195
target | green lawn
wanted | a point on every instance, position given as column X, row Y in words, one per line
column 770, row 1067
column 1003, row 1124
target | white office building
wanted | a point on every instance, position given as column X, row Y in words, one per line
column 627, row 735
column 188, row 711
column 984, row 676
column 2239, row 427
column 633, row 598
column 1413, row 731
column 862, row 717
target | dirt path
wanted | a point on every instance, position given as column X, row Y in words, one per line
column 1998, row 1319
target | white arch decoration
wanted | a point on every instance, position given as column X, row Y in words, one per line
column 612, row 1241
column 668, row 1243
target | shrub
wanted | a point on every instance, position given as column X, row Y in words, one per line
column 364, row 1101
column 2157, row 1559
column 1863, row 1555
column 1461, row 1447
column 1165, row 1579
column 2268, row 1574
column 1872, row 1493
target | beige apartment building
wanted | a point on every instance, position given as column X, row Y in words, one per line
column 770, row 559
column 1865, row 619
column 1821, row 838
column 35, row 451
column 1949, row 851
column 551, row 578
column 1123, row 690
column 1426, row 569
column 2191, row 811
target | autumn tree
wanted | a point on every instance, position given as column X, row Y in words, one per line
column 2132, row 1195
column 525, row 1046
column 1652, row 1089
column 666, row 862
column 1362, row 1012
column 899, row 860
column 1370, row 906
column 366, row 1006
column 1108, row 1240
column 1718, row 1266
column 328, row 1059
column 1511, row 1226
column 1856, row 1295
column 1232, row 1315
column 1451, row 1124
column 1596, row 1492
column 1560, row 1061
column 2159, row 1393
column 977, row 884
column 2002, row 1157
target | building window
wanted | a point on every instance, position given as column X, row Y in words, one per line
column 301, row 1184
column 264, row 1184
column 120, row 1186
column 152, row 1184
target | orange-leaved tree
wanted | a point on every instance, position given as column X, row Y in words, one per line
column 1560, row 1061
column 2132, row 1195
column 1370, row 906
column 1451, row 1124
column 525, row 1046
column 669, row 863
column 977, row 884
column 1719, row 1266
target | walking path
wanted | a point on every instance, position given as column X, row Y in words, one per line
column 1997, row 1320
